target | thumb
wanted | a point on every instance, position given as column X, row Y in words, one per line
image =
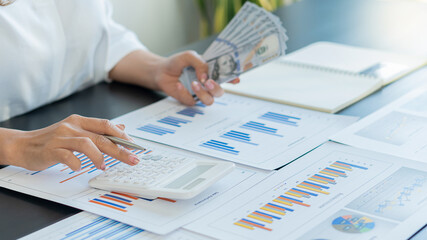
column 191, row 58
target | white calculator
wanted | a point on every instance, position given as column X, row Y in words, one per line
column 167, row 175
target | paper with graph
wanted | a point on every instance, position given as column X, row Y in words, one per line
column 243, row 130
column 333, row 192
column 90, row 226
column 60, row 184
column 399, row 129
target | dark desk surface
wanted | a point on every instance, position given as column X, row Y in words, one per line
column 389, row 25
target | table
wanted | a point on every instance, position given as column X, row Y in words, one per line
column 389, row 25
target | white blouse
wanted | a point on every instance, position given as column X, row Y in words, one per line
column 52, row 48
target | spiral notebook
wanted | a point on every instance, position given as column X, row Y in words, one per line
column 325, row 76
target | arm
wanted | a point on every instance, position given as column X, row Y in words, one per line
column 149, row 70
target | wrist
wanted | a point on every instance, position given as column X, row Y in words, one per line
column 157, row 67
column 141, row 68
column 9, row 146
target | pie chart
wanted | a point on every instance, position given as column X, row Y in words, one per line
column 353, row 224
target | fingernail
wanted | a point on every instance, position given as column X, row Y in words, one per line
column 210, row 85
column 204, row 78
column 196, row 86
column 133, row 159
column 103, row 167
column 122, row 126
column 179, row 86
column 128, row 137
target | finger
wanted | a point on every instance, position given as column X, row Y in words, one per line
column 202, row 94
column 113, row 150
column 66, row 157
column 213, row 88
column 235, row 81
column 85, row 146
column 183, row 95
column 101, row 126
column 191, row 58
column 121, row 126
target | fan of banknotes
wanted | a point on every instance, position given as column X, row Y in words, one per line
column 253, row 37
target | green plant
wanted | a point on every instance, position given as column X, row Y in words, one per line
column 215, row 14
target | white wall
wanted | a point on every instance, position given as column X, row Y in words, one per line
column 162, row 25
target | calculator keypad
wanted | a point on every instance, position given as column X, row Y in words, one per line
column 151, row 170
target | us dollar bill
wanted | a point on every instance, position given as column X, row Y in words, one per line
column 253, row 37
column 229, row 65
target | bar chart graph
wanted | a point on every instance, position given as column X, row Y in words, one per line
column 239, row 137
column 173, row 121
column 299, row 196
column 220, row 146
column 200, row 104
column 88, row 226
column 280, row 118
column 115, row 200
column 121, row 201
column 157, row 130
column 191, row 112
column 95, row 228
column 260, row 134
column 260, row 127
column 87, row 166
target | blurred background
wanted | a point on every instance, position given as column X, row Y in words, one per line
column 165, row 25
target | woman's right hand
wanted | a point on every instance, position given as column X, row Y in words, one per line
column 40, row 149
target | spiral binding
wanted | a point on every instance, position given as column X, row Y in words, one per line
column 325, row 69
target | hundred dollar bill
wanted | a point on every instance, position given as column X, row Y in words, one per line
column 230, row 65
column 253, row 37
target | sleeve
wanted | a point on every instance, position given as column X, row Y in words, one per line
column 121, row 41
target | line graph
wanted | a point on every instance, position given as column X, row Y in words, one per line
column 396, row 197
column 396, row 128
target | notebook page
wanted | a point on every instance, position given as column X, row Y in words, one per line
column 304, row 87
column 384, row 65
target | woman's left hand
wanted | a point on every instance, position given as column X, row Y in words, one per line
column 149, row 70
column 170, row 69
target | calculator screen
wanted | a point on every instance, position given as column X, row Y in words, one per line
column 190, row 176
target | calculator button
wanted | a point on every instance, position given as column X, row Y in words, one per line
column 145, row 157
column 156, row 158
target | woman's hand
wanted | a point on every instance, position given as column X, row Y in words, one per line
column 169, row 71
column 40, row 149
column 152, row 71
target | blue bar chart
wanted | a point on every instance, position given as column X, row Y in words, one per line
column 260, row 127
column 173, row 121
column 220, row 146
column 190, row 112
column 280, row 118
column 104, row 228
column 200, row 104
column 239, row 137
column 265, row 136
column 87, row 166
column 157, row 130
